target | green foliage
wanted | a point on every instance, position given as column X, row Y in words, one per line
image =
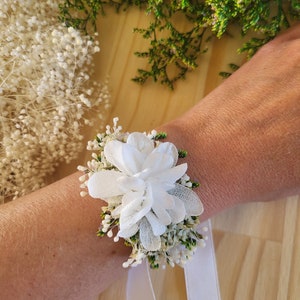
column 160, row 136
column 182, row 153
column 233, row 68
column 173, row 52
column 80, row 14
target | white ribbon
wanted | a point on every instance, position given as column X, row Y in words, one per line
column 139, row 284
column 201, row 276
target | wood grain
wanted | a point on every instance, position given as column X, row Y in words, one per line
column 257, row 245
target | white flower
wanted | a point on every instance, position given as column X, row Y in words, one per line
column 143, row 187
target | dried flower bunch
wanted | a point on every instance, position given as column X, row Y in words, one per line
column 45, row 90
column 150, row 201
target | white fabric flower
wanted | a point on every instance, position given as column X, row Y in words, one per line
column 145, row 181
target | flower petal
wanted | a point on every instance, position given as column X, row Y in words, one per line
column 190, row 199
column 157, row 162
column 123, row 156
column 136, row 206
column 149, row 241
column 157, row 227
column 127, row 184
column 141, row 142
column 128, row 232
column 168, row 148
column 103, row 185
column 116, row 212
column 161, row 202
column 170, row 176
column 178, row 212
column 162, row 197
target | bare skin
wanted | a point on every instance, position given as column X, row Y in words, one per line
column 244, row 137
column 243, row 141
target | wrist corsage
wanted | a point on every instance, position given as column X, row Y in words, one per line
column 150, row 201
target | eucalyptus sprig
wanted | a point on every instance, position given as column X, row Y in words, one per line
column 173, row 52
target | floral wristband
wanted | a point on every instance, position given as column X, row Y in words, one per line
column 150, row 202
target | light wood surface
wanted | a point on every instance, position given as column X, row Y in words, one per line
column 257, row 245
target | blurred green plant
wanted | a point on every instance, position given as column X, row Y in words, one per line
column 172, row 53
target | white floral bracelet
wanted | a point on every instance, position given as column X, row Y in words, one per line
column 150, row 202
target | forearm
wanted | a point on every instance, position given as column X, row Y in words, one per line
column 49, row 248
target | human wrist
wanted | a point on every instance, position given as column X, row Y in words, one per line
column 208, row 163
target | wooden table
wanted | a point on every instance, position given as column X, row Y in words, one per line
column 257, row 245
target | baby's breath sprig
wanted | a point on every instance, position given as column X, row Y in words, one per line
column 45, row 91
column 179, row 244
